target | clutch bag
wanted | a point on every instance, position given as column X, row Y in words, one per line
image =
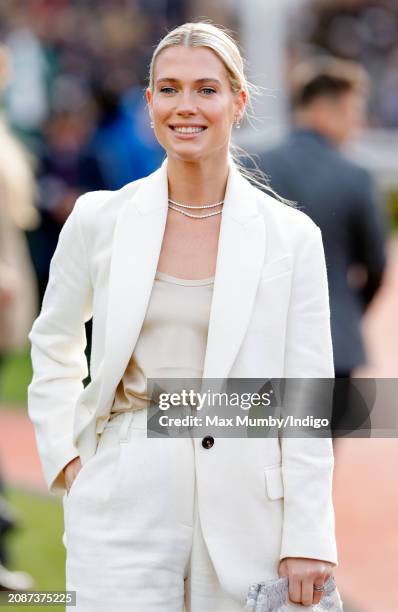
column 273, row 596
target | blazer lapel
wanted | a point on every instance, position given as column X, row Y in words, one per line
column 136, row 248
column 240, row 259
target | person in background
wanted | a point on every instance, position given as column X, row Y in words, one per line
column 58, row 176
column 328, row 103
column 9, row 580
column 18, row 296
column 113, row 155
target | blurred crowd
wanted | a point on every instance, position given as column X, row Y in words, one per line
column 365, row 31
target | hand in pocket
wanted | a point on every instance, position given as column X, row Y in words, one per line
column 71, row 470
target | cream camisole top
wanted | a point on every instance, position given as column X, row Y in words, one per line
column 172, row 341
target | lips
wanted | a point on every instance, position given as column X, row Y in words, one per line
column 188, row 129
column 187, row 135
column 181, row 125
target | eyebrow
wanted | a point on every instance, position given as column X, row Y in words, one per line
column 204, row 80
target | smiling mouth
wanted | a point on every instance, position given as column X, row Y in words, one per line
column 188, row 130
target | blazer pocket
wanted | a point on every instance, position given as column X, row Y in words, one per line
column 74, row 483
column 78, row 477
column 276, row 268
column 274, row 482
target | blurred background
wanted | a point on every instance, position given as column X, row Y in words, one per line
column 73, row 119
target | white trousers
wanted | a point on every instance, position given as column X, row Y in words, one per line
column 132, row 528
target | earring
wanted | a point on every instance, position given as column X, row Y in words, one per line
column 237, row 122
column 152, row 125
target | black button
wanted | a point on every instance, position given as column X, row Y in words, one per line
column 207, row 441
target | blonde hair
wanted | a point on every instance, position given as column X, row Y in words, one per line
column 221, row 41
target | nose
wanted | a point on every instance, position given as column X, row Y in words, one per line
column 186, row 104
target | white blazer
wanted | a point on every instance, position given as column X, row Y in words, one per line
column 260, row 499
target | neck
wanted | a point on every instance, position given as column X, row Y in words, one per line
column 311, row 123
column 198, row 183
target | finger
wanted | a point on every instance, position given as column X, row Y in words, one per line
column 317, row 595
column 71, row 475
column 282, row 569
column 307, row 592
column 294, row 588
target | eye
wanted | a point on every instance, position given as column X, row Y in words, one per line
column 167, row 90
column 208, row 90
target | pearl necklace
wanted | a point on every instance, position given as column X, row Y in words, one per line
column 195, row 206
column 173, row 205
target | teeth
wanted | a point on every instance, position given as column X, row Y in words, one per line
column 189, row 130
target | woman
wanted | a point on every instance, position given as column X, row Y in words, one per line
column 178, row 289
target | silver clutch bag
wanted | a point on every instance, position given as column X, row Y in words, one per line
column 273, row 596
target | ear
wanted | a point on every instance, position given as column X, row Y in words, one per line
column 149, row 99
column 240, row 103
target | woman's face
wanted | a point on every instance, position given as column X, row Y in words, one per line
column 192, row 105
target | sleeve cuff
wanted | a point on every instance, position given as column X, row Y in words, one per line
column 309, row 546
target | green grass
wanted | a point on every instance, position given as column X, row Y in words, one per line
column 15, row 376
column 393, row 208
column 36, row 547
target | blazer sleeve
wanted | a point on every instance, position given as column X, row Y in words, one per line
column 368, row 233
column 307, row 461
column 58, row 342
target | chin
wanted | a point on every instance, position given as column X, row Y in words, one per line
column 186, row 155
